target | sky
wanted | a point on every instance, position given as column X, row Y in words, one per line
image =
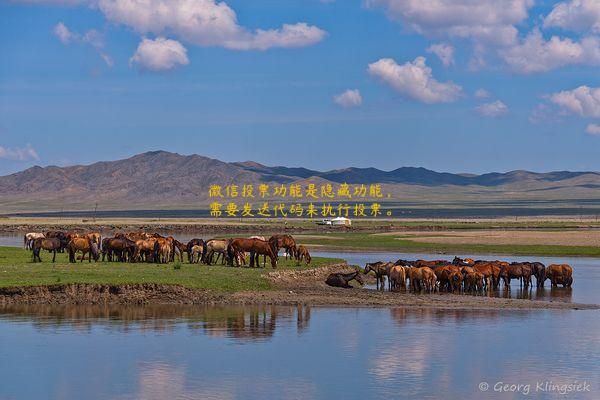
column 450, row 85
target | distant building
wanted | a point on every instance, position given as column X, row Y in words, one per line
column 341, row 221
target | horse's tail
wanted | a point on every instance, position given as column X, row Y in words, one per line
column 230, row 252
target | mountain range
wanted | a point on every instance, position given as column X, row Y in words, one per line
column 164, row 180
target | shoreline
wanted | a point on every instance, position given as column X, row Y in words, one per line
column 160, row 294
column 288, row 288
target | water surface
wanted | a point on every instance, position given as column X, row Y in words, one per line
column 172, row 352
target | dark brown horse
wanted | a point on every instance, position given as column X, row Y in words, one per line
column 286, row 242
column 342, row 280
column 122, row 248
column 255, row 247
column 51, row 244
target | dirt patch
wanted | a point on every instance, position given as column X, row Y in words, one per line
column 305, row 287
column 583, row 237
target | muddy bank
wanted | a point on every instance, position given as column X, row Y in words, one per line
column 290, row 288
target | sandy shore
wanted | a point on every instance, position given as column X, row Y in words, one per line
column 302, row 287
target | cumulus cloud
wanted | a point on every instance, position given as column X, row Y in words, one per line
column 535, row 54
column 415, row 80
column 91, row 38
column 444, row 52
column 349, row 98
column 489, row 21
column 159, row 55
column 19, row 153
column 495, row 109
column 583, row 101
column 482, row 94
column 575, row 15
column 205, row 23
column 593, row 129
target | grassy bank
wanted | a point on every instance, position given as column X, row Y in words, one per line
column 399, row 243
column 16, row 269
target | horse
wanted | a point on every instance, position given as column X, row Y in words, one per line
column 123, row 248
column 381, row 270
column 144, row 250
column 286, row 242
column 163, row 249
column 85, row 245
column 60, row 235
column 254, row 246
column 50, row 244
column 397, row 277
column 213, row 246
column 560, row 274
column 195, row 253
column 342, row 280
column 539, row 271
column 28, row 239
column 189, row 247
column 302, row 253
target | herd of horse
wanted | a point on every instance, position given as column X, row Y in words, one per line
column 459, row 275
column 141, row 246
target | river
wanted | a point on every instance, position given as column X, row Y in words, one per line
column 184, row 352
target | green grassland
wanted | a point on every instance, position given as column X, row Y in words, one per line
column 17, row 269
column 400, row 243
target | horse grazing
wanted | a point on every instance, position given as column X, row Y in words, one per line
column 302, row 253
column 123, row 248
column 286, row 242
column 86, row 246
column 51, row 244
column 518, row 271
column 195, row 254
column 163, row 249
column 255, row 247
column 28, row 239
column 144, row 250
column 342, row 280
column 189, row 249
column 213, row 246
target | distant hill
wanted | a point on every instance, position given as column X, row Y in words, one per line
column 160, row 179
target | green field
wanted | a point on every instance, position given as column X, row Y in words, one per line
column 16, row 269
column 400, row 243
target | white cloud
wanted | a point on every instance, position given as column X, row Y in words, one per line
column 63, row 33
column 92, row 38
column 349, row 98
column 582, row 101
column 593, row 129
column 495, row 109
column 482, row 94
column 489, row 21
column 535, row 54
column 160, row 54
column 19, row 153
column 415, row 80
column 205, row 23
column 575, row 15
column 444, row 52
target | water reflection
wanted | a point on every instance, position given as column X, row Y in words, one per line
column 236, row 322
column 184, row 352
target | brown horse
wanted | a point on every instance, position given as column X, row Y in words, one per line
column 255, row 247
column 397, row 277
column 189, row 247
column 302, row 253
column 286, row 242
column 123, row 248
column 86, row 246
column 339, row 279
column 51, row 244
column 144, row 250
column 560, row 274
column 381, row 270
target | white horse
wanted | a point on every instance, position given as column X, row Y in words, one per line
column 30, row 237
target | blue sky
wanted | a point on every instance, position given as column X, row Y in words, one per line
column 514, row 86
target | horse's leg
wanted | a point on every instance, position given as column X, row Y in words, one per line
column 54, row 256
